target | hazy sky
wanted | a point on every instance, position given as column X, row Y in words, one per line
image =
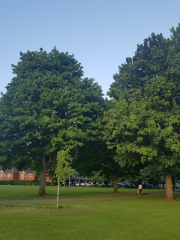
column 100, row 33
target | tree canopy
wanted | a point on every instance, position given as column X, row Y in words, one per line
column 48, row 107
column 144, row 123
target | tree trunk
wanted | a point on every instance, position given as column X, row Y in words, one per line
column 173, row 183
column 169, row 190
column 69, row 180
column 115, row 184
column 57, row 205
column 42, row 187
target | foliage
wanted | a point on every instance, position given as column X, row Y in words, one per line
column 19, row 182
column 98, row 177
column 152, row 174
column 96, row 158
column 63, row 170
column 48, row 107
column 143, row 126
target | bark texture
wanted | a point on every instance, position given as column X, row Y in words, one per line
column 169, row 189
column 57, row 204
column 115, row 184
column 42, row 187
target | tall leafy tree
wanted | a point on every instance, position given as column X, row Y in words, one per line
column 95, row 156
column 48, row 107
column 146, row 117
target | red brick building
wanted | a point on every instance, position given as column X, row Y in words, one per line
column 1, row 174
column 14, row 174
column 9, row 174
column 27, row 175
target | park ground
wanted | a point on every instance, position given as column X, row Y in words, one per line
column 99, row 214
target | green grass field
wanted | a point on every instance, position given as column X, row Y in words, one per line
column 147, row 217
column 30, row 192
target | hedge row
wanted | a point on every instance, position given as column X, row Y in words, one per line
column 19, row 182
column 25, row 182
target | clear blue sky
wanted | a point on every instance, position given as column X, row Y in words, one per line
column 100, row 33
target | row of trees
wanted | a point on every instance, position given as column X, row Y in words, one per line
column 49, row 107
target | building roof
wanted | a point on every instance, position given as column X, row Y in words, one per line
column 79, row 178
column 12, row 170
column 28, row 171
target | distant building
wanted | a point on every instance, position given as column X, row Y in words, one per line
column 14, row 174
column 1, row 174
column 79, row 179
column 27, row 175
column 10, row 174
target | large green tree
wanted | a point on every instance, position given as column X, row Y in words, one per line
column 95, row 156
column 48, row 107
column 145, row 120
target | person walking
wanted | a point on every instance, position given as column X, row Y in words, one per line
column 140, row 189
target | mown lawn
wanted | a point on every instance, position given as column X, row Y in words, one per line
column 146, row 218
column 30, row 192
